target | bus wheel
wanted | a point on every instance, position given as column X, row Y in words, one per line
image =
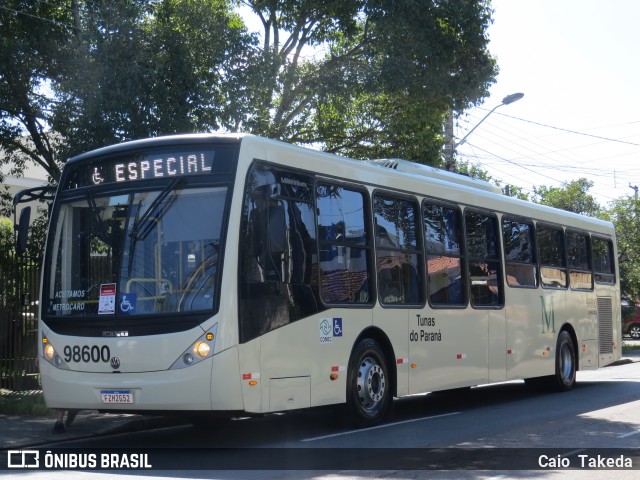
column 368, row 388
column 565, row 377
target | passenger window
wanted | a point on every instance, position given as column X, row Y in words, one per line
column 398, row 252
column 484, row 259
column 602, row 254
column 579, row 261
column 446, row 284
column 345, row 245
column 553, row 270
column 519, row 253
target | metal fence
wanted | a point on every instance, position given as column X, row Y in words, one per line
column 19, row 293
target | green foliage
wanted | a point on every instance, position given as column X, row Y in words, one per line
column 388, row 73
column 32, row 37
column 571, row 196
column 624, row 215
column 23, row 404
column 142, row 69
column 6, row 235
column 364, row 78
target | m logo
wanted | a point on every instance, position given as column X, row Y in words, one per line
column 548, row 315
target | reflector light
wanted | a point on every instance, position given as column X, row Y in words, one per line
column 333, row 376
column 209, row 336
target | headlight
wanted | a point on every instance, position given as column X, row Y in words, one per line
column 202, row 349
column 49, row 352
column 199, row 350
column 50, row 355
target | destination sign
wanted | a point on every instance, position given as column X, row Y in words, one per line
column 169, row 166
column 151, row 165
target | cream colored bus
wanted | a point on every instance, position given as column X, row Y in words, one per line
column 229, row 272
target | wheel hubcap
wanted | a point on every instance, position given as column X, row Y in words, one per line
column 371, row 384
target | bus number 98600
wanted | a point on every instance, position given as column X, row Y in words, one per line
column 87, row 353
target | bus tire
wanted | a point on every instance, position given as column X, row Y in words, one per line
column 565, row 376
column 368, row 385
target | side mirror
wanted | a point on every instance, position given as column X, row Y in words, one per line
column 23, row 230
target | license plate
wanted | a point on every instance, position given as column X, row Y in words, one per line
column 116, row 396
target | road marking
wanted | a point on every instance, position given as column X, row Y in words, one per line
column 625, row 435
column 313, row 439
column 572, row 452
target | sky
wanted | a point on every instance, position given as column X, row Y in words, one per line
column 577, row 63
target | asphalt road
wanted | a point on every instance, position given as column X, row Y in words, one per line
column 498, row 431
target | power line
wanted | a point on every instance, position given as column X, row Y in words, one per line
column 608, row 139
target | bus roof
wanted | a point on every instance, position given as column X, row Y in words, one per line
column 432, row 172
column 401, row 174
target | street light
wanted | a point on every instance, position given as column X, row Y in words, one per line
column 514, row 97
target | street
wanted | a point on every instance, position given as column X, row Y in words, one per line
column 447, row 430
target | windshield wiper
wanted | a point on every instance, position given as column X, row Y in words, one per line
column 139, row 233
column 141, row 225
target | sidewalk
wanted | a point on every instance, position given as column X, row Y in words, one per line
column 25, row 431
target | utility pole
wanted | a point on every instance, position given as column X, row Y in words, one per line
column 635, row 202
column 449, row 143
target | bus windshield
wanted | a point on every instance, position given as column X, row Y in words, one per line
column 147, row 252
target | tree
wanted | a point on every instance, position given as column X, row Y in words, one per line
column 624, row 215
column 380, row 76
column 383, row 80
column 142, row 69
column 32, row 37
column 571, row 196
column 98, row 73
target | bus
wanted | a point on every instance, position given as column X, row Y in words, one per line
column 232, row 273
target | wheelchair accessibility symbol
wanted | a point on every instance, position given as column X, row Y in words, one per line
column 337, row 327
column 128, row 303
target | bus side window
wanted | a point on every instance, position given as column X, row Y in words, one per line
column 446, row 280
column 398, row 250
column 579, row 261
column 519, row 253
column 553, row 265
column 602, row 253
column 345, row 245
column 484, row 259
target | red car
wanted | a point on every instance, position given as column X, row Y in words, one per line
column 631, row 323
